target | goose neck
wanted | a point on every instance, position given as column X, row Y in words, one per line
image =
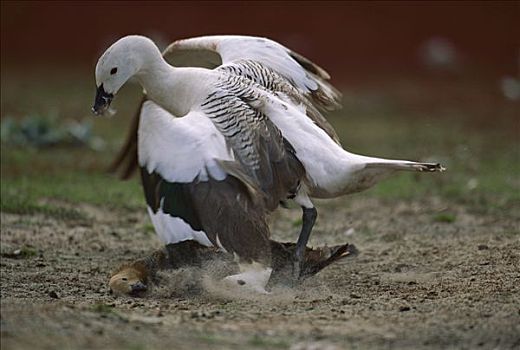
column 160, row 80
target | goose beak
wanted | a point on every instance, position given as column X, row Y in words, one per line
column 102, row 101
column 138, row 288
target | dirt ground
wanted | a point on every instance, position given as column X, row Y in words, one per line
column 420, row 281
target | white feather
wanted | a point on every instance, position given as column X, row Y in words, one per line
column 172, row 229
column 327, row 165
column 180, row 149
column 265, row 51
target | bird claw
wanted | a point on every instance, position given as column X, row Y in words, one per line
column 296, row 270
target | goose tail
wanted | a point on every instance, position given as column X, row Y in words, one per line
column 315, row 260
column 406, row 165
column 364, row 172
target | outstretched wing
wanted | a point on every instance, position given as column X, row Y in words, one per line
column 265, row 62
column 270, row 80
column 213, row 51
column 268, row 64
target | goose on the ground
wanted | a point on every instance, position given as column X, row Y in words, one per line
column 251, row 87
column 134, row 278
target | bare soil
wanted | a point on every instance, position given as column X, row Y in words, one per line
column 421, row 280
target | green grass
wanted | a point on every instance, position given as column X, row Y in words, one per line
column 445, row 217
column 477, row 142
column 21, row 253
column 482, row 163
column 297, row 223
column 73, row 187
column 102, row 308
column 40, row 181
column 267, row 342
column 24, row 194
column 24, row 206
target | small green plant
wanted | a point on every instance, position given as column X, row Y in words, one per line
column 41, row 132
column 21, row 253
column 297, row 223
column 102, row 308
column 445, row 217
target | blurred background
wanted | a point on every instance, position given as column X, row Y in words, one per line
column 421, row 80
column 348, row 38
column 431, row 81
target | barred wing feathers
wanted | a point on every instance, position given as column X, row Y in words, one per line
column 307, row 77
column 257, row 143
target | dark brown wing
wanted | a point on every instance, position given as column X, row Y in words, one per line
column 257, row 143
column 232, row 219
column 224, row 210
column 126, row 163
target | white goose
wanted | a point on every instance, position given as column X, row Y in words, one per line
column 257, row 88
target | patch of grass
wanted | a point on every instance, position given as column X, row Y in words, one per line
column 22, row 195
column 297, row 223
column 102, row 308
column 392, row 237
column 21, row 253
column 43, row 132
column 148, row 228
column 404, row 186
column 72, row 176
column 482, row 167
column 368, row 234
column 445, row 217
column 266, row 342
column 18, row 203
column 210, row 338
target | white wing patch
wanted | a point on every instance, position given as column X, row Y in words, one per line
column 265, row 51
column 180, row 149
column 323, row 159
column 172, row 229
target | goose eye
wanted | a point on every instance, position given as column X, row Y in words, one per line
column 113, row 71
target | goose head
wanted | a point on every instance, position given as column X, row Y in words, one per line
column 121, row 61
column 129, row 280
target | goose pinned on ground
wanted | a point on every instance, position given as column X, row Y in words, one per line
column 135, row 277
column 259, row 89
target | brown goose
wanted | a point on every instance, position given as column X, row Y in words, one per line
column 135, row 277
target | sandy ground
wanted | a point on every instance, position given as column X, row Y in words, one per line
column 417, row 283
